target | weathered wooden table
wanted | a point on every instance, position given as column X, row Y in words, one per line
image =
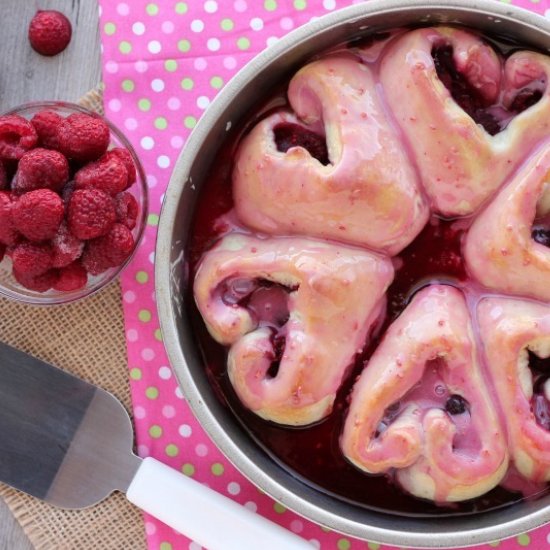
column 26, row 76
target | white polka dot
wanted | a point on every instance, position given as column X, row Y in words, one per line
column 111, row 67
column 197, row 25
column 233, row 488
column 168, row 411
column 200, row 64
column 147, row 354
column 229, row 62
column 329, row 4
column 201, row 449
column 123, row 9
column 240, row 5
column 213, row 44
column 143, row 450
column 167, row 27
column 152, row 257
column 138, row 28
column 176, row 142
column 100, row 11
column 252, row 506
column 129, row 297
column 115, row 105
column 179, row 393
column 163, row 161
column 151, row 180
column 173, row 103
column 210, row 6
column 150, row 528
column 141, row 66
column 165, row 373
column 256, row 24
column 132, row 334
column 157, row 85
column 140, row 412
column 315, row 543
column 185, row 430
column 547, row 14
column 130, row 123
column 548, row 535
column 297, row 526
column 203, row 102
column 286, row 23
column 147, row 143
column 194, row 546
column 154, row 46
column 271, row 40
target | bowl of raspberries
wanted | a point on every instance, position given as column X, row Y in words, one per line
column 73, row 202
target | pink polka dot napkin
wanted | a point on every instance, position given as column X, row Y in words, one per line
column 163, row 62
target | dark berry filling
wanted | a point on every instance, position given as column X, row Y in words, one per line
column 541, row 235
column 390, row 414
column 288, row 135
column 278, row 341
column 456, row 404
column 540, row 369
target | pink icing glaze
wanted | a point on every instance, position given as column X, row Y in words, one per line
column 335, row 294
column 367, row 195
column 435, row 455
column 460, row 164
column 499, row 249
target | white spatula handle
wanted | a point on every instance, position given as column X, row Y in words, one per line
column 210, row 519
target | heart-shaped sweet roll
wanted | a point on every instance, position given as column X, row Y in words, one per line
column 516, row 338
column 421, row 405
column 358, row 188
column 500, row 248
column 295, row 311
column 460, row 163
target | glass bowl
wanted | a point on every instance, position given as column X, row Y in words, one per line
column 9, row 287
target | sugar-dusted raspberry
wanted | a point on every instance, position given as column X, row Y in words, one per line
column 108, row 174
column 41, row 169
column 71, row 277
column 37, row 214
column 125, row 156
column 32, row 258
column 66, row 247
column 17, row 135
column 47, row 124
column 8, row 233
column 94, row 259
column 49, row 32
column 91, row 213
column 83, row 137
column 38, row 283
column 118, row 244
column 127, row 209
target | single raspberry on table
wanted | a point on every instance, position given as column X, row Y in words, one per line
column 91, row 213
column 17, row 136
column 71, row 277
column 127, row 209
column 8, row 233
column 38, row 283
column 32, row 258
column 107, row 174
column 47, row 124
column 125, row 156
column 66, row 247
column 41, row 169
column 49, row 32
column 38, row 214
column 83, row 137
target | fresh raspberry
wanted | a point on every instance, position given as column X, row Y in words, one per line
column 41, row 169
column 125, row 156
column 66, row 247
column 38, row 283
column 17, row 135
column 94, row 259
column 49, row 32
column 37, row 215
column 83, row 137
column 47, row 124
column 91, row 213
column 32, row 258
column 117, row 244
column 8, row 233
column 108, row 174
column 127, row 209
column 71, row 277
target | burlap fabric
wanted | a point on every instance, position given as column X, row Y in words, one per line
column 87, row 339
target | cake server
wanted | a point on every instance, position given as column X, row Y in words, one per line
column 69, row 443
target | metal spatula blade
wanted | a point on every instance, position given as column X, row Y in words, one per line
column 69, row 443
